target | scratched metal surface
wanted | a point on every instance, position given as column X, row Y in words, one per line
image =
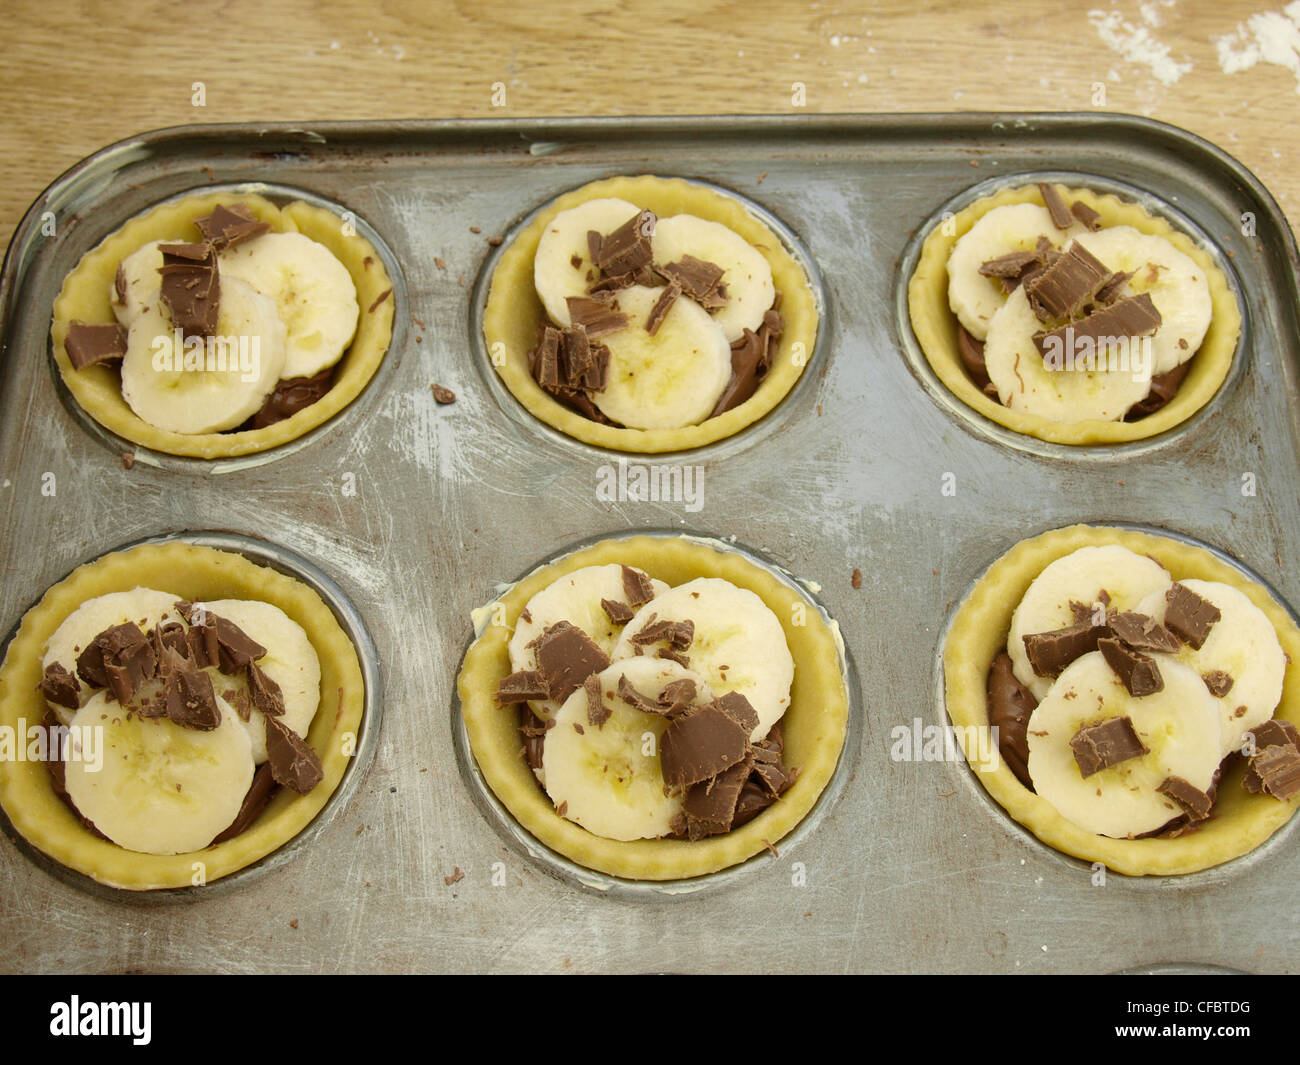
column 912, row 868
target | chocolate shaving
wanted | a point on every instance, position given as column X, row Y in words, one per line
column 1100, row 746
column 264, row 691
column 596, row 316
column 597, row 712
column 534, row 730
column 1275, row 733
column 1068, row 285
column 88, row 345
column 60, row 687
column 567, row 656
column 671, row 655
column 679, row 634
column 739, row 709
column 1062, row 217
column 972, row 357
column 1050, row 652
column 635, row 699
column 1138, row 672
column 661, row 308
column 637, row 587
column 710, row 808
column 575, row 355
column 239, row 701
column 544, row 360
column 293, row 763
column 1194, row 802
column 227, row 226
column 1188, row 616
column 626, row 250
column 676, row 696
column 618, row 613
column 1275, row 771
column 1135, row 316
column 1085, row 214
column 170, row 634
column 699, row 744
column 191, row 287
column 1010, row 706
column 1109, row 292
column 524, row 686
column 119, row 286
column 1163, row 388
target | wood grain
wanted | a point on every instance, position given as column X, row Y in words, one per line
column 78, row 76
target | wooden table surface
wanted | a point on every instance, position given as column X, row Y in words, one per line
column 78, row 76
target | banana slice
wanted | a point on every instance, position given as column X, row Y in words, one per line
column 1178, row 724
column 1242, row 644
column 312, row 291
column 574, row 598
column 161, row 789
column 974, row 298
column 739, row 645
column 1079, row 577
column 1025, row 383
column 746, row 274
column 290, row 661
column 144, row 606
column 250, row 342
column 563, row 260
column 139, row 273
column 608, row 778
column 1175, row 283
column 668, row 380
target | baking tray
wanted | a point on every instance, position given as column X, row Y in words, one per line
column 909, row 869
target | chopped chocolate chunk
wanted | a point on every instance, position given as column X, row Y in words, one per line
column 191, row 287
column 170, row 634
column 235, row 649
column 661, row 308
column 673, row 656
column 227, row 226
column 972, row 357
column 596, row 316
column 290, row 396
column 1067, row 286
column 1135, row 316
column 1010, row 705
column 627, row 249
column 1274, row 771
column 544, row 360
column 1062, row 217
column 1142, row 633
column 618, row 613
column 293, row 763
column 1195, row 803
column 677, row 696
column 1275, row 733
column 1011, row 265
column 1109, row 292
column 701, row 743
column 637, row 587
column 239, row 701
column 1219, row 682
column 87, row 344
column 1050, row 652
column 597, row 712
column 1138, row 672
column 534, row 730
column 259, row 794
column 121, row 658
column 442, row 396
column 747, row 355
column 739, row 709
column 596, row 376
column 710, row 807
column 265, row 692
column 60, row 687
column 190, row 699
column 524, row 686
column 567, row 656
column 202, row 640
column 594, row 241
column 1188, row 616
column 575, row 355
column 679, row 634
column 1163, row 388
column 1100, row 746
column 699, row 279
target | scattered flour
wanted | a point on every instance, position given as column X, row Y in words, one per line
column 1136, row 44
column 1271, row 37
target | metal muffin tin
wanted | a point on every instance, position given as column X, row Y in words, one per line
column 907, row 869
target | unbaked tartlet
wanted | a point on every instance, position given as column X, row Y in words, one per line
column 1171, row 747
column 649, row 314
column 1072, row 316
column 295, row 277
column 606, row 723
column 166, row 612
